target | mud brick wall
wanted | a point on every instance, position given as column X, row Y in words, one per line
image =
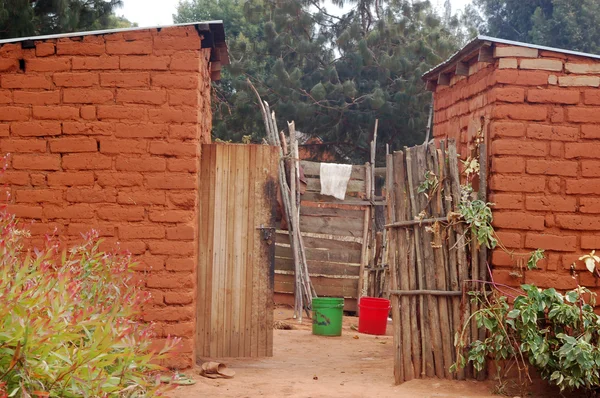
column 542, row 121
column 104, row 132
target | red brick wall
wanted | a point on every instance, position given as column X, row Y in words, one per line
column 542, row 112
column 104, row 132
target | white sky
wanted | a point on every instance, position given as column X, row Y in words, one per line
column 160, row 12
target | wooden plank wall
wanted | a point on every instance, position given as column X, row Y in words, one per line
column 333, row 237
column 235, row 277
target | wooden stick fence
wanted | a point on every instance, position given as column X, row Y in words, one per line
column 427, row 256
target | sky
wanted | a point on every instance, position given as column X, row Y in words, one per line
column 160, row 12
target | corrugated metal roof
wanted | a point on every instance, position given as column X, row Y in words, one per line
column 481, row 40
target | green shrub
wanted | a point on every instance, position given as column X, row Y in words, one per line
column 69, row 322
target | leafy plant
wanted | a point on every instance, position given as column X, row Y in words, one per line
column 590, row 260
column 536, row 256
column 558, row 334
column 478, row 216
column 69, row 322
column 428, row 185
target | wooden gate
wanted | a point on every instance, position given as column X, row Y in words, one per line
column 238, row 187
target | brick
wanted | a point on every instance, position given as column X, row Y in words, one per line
column 11, row 145
column 14, row 177
column 542, row 64
column 54, row 64
column 134, row 247
column 517, row 183
column 175, row 80
column 509, row 239
column 151, row 263
column 507, row 63
column 557, row 115
column 521, row 77
column 507, row 129
column 180, row 298
column 71, row 178
column 171, row 181
column 510, row 94
column 87, row 96
column 103, row 229
column 563, row 243
column 582, row 150
column 590, row 242
column 168, row 44
column 180, row 149
column 8, row 65
column 555, row 184
column 36, row 97
column 121, row 213
column 44, row 49
column 25, row 211
column 129, row 47
column 86, row 161
column 180, row 328
column 520, row 148
column 89, row 128
column 35, row 129
column 4, row 130
column 39, row 196
column 181, row 232
column 141, row 130
column 518, row 220
column 14, row 113
column 36, row 162
column 56, row 112
column 553, row 96
column 171, row 314
column 553, row 80
column 80, row 144
column 91, row 195
column 141, row 232
column 183, row 132
column 6, row 97
column 117, row 146
column 26, row 81
column 171, row 216
column 591, row 97
column 142, row 197
column 172, row 115
column 77, row 211
column 172, row 248
column 144, row 62
column 555, row 133
column 96, row 63
column 577, row 222
column 184, row 97
column 119, row 179
column 508, row 165
column 557, row 149
column 582, row 68
column 121, row 112
column 76, row 79
column 186, row 61
column 579, row 81
column 130, row 163
column 589, row 205
column 552, row 203
column 590, row 168
column 183, row 200
column 552, row 167
column 513, row 51
column 186, row 165
column 88, row 112
column 587, row 186
column 520, row 112
column 149, row 97
column 46, row 229
column 38, row 179
column 125, row 79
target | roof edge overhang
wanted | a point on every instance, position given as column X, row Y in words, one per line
column 212, row 32
column 482, row 48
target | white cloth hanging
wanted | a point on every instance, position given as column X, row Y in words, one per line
column 334, row 179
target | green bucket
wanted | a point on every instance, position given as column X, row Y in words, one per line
column 327, row 313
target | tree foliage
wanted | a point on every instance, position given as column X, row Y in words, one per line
column 333, row 73
column 20, row 18
column 567, row 24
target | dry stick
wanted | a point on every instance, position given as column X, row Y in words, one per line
column 463, row 271
column 429, row 267
column 426, row 355
column 440, row 265
column 483, row 252
column 399, row 201
column 425, row 293
column 365, row 245
column 373, row 240
column 399, row 368
column 452, row 252
column 429, row 123
column 297, row 264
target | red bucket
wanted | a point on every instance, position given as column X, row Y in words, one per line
column 373, row 315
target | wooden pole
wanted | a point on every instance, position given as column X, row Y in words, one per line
column 424, row 293
column 483, row 251
column 365, row 245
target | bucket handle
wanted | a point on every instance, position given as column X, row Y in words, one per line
column 332, row 306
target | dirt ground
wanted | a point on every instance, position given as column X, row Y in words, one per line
column 306, row 366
